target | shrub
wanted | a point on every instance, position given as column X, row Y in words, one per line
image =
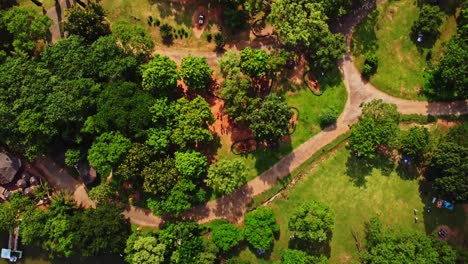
column 166, row 32
column 328, row 117
column 150, row 21
column 219, row 40
column 370, row 64
column 209, row 37
column 157, row 22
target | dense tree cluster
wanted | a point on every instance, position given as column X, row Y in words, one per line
column 308, row 28
column 180, row 242
column 448, row 165
column 378, row 125
column 448, row 79
column 267, row 118
column 65, row 230
column 404, row 247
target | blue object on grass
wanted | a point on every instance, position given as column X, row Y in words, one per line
column 448, row 205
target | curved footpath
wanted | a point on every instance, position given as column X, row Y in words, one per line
column 233, row 207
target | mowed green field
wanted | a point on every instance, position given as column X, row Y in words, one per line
column 356, row 194
column 401, row 62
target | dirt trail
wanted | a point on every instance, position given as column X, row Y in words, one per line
column 60, row 179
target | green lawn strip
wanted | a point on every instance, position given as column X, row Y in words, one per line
column 401, row 62
column 299, row 172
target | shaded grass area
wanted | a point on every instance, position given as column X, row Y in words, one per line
column 401, row 63
column 389, row 191
column 308, row 124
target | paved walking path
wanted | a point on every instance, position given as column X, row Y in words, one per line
column 233, row 207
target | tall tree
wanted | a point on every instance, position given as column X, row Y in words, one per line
column 88, row 22
column 191, row 164
column 415, row 144
column 378, row 125
column 191, row 123
column 121, row 106
column 229, row 64
column 226, row 176
column 226, row 236
column 237, row 103
column 102, row 230
column 195, row 72
column 160, row 177
column 405, row 247
column 107, row 151
column 270, row 121
column 312, row 222
column 429, row 20
column 260, row 227
column 134, row 39
column 254, row 62
column 160, row 76
column 27, row 27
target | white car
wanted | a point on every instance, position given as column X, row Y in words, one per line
column 201, row 19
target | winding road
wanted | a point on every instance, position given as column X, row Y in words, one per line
column 233, row 207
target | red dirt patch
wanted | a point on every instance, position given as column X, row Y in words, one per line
column 312, row 83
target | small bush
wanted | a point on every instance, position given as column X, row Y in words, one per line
column 166, row 32
column 209, row 37
column 370, row 64
column 219, row 40
column 328, row 117
column 157, row 22
column 150, row 21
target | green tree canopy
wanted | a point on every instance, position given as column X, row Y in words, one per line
column 27, row 27
column 147, row 250
column 229, row 64
column 270, row 121
column 448, row 167
column 134, row 39
column 121, row 107
column 415, row 144
column 226, row 176
column 107, row 151
column 160, row 177
column 254, row 62
column 191, row 164
column 405, row 247
column 103, row 230
column 429, row 20
column 304, row 27
column 191, row 123
column 88, row 22
column 226, row 236
column 378, row 125
column 294, row 256
column 237, row 103
column 312, row 222
column 131, row 168
column 160, row 76
column 260, row 227
column 195, row 72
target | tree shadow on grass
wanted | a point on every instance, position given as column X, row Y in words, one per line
column 314, row 249
column 358, row 169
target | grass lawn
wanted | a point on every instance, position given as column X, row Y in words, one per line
column 307, row 126
column 176, row 14
column 355, row 194
column 401, row 62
